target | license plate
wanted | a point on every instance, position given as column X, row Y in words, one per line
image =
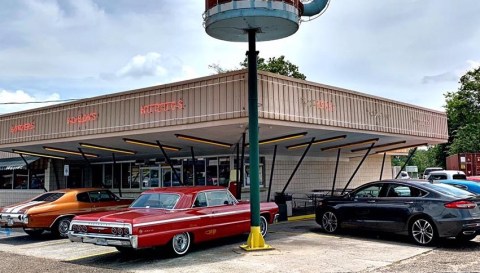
column 10, row 221
column 102, row 242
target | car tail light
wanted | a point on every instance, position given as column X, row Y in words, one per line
column 461, row 205
column 114, row 231
column 126, row 231
column 75, row 228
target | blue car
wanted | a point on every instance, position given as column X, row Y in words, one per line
column 470, row 186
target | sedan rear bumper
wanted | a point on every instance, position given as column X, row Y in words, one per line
column 452, row 228
column 104, row 240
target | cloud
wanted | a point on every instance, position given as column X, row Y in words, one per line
column 143, row 66
column 153, row 65
column 444, row 77
column 13, row 101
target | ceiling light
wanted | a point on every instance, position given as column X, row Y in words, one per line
column 325, row 140
column 115, row 150
column 38, row 154
column 151, row 144
column 203, row 140
column 350, row 144
column 52, row 149
column 379, row 146
column 403, row 147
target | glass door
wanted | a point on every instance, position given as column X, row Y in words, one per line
column 168, row 177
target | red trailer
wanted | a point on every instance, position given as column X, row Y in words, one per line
column 469, row 163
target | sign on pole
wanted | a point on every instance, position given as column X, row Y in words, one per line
column 66, row 170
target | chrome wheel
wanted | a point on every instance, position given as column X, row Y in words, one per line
column 263, row 226
column 329, row 222
column 181, row 243
column 422, row 232
column 61, row 227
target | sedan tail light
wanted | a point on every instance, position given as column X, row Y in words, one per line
column 461, row 205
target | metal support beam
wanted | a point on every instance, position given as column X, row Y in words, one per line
column 242, row 170
column 55, row 173
column 194, row 161
column 298, row 165
column 358, row 167
column 84, row 156
column 237, row 173
column 406, row 162
column 383, row 165
column 28, row 170
column 113, row 176
column 167, row 158
column 255, row 240
column 336, row 170
column 271, row 173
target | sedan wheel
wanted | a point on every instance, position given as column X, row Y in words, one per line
column 263, row 226
column 60, row 229
column 330, row 222
column 181, row 243
column 422, row 232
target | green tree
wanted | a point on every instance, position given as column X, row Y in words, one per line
column 422, row 159
column 277, row 65
column 463, row 113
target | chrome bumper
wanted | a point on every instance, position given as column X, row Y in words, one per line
column 13, row 219
column 104, row 240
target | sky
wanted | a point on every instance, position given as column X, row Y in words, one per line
column 413, row 51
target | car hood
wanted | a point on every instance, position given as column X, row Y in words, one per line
column 130, row 215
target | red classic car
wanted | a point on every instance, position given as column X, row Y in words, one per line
column 177, row 216
column 54, row 210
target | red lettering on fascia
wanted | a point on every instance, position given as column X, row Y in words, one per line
column 29, row 126
column 82, row 118
column 162, row 107
column 325, row 105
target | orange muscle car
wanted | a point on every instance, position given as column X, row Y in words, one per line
column 54, row 210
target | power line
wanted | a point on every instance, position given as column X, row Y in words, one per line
column 34, row 102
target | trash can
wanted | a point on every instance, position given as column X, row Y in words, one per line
column 284, row 203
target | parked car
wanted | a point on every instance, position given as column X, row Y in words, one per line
column 404, row 175
column 446, row 174
column 54, row 210
column 422, row 210
column 473, row 178
column 467, row 185
column 427, row 171
column 177, row 216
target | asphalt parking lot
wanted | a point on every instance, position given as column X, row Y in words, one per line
column 300, row 246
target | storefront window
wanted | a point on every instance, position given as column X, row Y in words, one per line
column 200, row 170
column 188, row 174
column 134, row 177
column 20, row 179
column 97, row 176
column 149, row 177
column 246, row 174
column 107, row 176
column 6, row 180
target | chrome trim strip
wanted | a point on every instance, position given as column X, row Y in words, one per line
column 189, row 218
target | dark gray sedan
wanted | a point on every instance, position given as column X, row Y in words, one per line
column 422, row 210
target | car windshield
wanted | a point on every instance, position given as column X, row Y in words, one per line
column 156, row 200
column 49, row 196
column 450, row 190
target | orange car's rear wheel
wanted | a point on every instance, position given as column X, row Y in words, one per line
column 60, row 228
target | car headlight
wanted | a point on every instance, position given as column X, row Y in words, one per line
column 25, row 218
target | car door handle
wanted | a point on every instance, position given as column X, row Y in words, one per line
column 408, row 202
column 371, row 201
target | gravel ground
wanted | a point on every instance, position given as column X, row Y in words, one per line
column 27, row 264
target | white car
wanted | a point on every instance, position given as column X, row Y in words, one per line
column 446, row 174
column 427, row 171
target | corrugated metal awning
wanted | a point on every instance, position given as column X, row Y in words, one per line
column 9, row 164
